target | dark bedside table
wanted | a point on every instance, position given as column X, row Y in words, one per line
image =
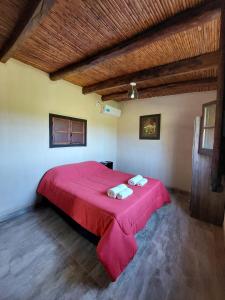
column 108, row 164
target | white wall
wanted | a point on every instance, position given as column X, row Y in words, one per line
column 170, row 158
column 27, row 96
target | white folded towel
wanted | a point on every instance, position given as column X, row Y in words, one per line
column 142, row 182
column 134, row 180
column 112, row 193
column 124, row 193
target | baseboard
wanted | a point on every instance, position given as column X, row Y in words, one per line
column 18, row 212
column 178, row 191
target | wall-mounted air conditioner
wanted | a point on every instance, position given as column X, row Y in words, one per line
column 109, row 110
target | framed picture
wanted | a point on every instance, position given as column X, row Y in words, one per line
column 149, row 127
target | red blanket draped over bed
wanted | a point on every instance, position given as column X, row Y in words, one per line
column 80, row 191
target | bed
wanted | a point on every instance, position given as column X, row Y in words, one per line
column 79, row 190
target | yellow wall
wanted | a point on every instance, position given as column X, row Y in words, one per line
column 27, row 96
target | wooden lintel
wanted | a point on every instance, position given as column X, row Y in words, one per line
column 168, row 89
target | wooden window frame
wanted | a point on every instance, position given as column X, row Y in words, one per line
column 208, row 152
column 52, row 145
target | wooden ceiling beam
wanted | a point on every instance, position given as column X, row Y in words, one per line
column 190, row 18
column 31, row 18
column 198, row 63
column 168, row 89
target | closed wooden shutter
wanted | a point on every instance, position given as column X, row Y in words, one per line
column 67, row 131
column 61, row 131
column 77, row 132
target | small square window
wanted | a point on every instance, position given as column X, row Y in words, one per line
column 67, row 131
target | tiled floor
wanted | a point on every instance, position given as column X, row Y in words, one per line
column 179, row 258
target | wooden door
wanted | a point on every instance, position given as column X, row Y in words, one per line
column 205, row 204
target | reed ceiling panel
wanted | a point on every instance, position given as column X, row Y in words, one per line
column 10, row 13
column 186, row 44
column 180, row 90
column 209, row 73
column 77, row 29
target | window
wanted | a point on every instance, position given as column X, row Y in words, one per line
column 67, row 131
column 207, row 128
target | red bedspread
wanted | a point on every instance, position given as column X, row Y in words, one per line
column 80, row 191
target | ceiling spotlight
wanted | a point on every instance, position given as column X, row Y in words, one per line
column 133, row 93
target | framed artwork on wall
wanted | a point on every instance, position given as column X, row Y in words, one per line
column 149, row 127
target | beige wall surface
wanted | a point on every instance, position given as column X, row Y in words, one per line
column 170, row 158
column 27, row 96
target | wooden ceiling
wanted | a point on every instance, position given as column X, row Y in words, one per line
column 89, row 42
